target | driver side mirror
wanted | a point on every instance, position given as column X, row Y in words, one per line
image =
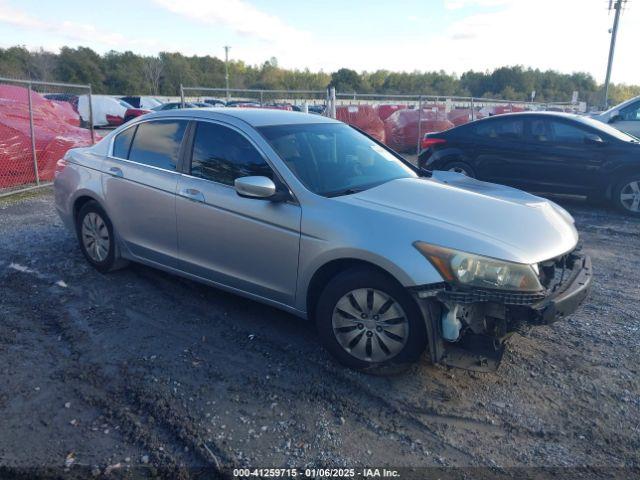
column 615, row 117
column 593, row 139
column 261, row 188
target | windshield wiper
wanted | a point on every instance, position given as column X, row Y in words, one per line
column 345, row 191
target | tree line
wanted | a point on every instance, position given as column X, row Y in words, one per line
column 130, row 73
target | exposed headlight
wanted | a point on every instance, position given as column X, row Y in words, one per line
column 477, row 271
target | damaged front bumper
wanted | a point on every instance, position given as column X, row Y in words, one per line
column 485, row 319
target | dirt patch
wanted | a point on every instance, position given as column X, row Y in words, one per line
column 143, row 371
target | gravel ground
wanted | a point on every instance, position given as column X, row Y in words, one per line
column 142, row 372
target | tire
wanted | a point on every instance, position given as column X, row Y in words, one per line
column 96, row 238
column 357, row 342
column 626, row 195
column 460, row 167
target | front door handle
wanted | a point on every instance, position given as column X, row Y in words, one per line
column 116, row 172
column 192, row 194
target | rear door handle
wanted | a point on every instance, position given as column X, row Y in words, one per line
column 192, row 194
column 116, row 172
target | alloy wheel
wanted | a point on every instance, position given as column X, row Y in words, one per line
column 630, row 196
column 95, row 237
column 370, row 325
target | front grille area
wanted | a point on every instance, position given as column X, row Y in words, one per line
column 478, row 295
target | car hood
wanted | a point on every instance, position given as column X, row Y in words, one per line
column 458, row 212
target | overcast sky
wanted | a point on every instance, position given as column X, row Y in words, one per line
column 450, row 35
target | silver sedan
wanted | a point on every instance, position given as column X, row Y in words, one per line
column 309, row 215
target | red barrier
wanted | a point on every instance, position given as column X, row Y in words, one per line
column 385, row 110
column 56, row 128
column 363, row 117
column 401, row 128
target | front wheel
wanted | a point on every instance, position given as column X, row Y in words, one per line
column 367, row 320
column 626, row 195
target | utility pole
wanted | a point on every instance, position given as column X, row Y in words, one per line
column 617, row 6
column 226, row 69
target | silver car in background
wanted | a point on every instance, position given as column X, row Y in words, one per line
column 624, row 117
column 307, row 214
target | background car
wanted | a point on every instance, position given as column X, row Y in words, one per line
column 173, row 106
column 625, row 116
column 542, row 152
column 243, row 104
column 215, row 102
column 143, row 102
column 133, row 112
column 201, row 104
column 107, row 111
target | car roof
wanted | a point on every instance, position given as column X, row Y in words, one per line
column 570, row 116
column 256, row 117
column 622, row 104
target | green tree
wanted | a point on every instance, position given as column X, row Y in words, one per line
column 81, row 65
column 346, row 80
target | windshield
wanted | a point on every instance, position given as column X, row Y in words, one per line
column 608, row 129
column 334, row 159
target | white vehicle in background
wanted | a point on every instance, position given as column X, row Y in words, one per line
column 625, row 116
column 144, row 102
column 106, row 110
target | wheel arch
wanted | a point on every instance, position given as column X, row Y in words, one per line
column 80, row 201
column 329, row 270
column 613, row 177
column 444, row 156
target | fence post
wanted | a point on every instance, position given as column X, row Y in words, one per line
column 331, row 102
column 261, row 97
column 93, row 137
column 181, row 96
column 473, row 110
column 33, row 137
column 420, row 124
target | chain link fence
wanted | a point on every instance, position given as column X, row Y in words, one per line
column 39, row 122
column 313, row 101
column 399, row 121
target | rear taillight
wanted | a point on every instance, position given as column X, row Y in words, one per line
column 428, row 142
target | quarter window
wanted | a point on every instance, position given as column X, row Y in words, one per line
column 158, row 143
column 221, row 154
column 122, row 143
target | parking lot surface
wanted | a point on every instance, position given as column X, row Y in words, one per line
column 142, row 368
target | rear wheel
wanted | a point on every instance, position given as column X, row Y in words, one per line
column 461, row 167
column 97, row 239
column 626, row 195
column 367, row 320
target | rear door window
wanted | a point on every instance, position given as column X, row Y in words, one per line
column 157, row 143
column 504, row 129
column 221, row 154
column 122, row 143
column 540, row 130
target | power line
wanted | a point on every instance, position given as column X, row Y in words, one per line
column 616, row 5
